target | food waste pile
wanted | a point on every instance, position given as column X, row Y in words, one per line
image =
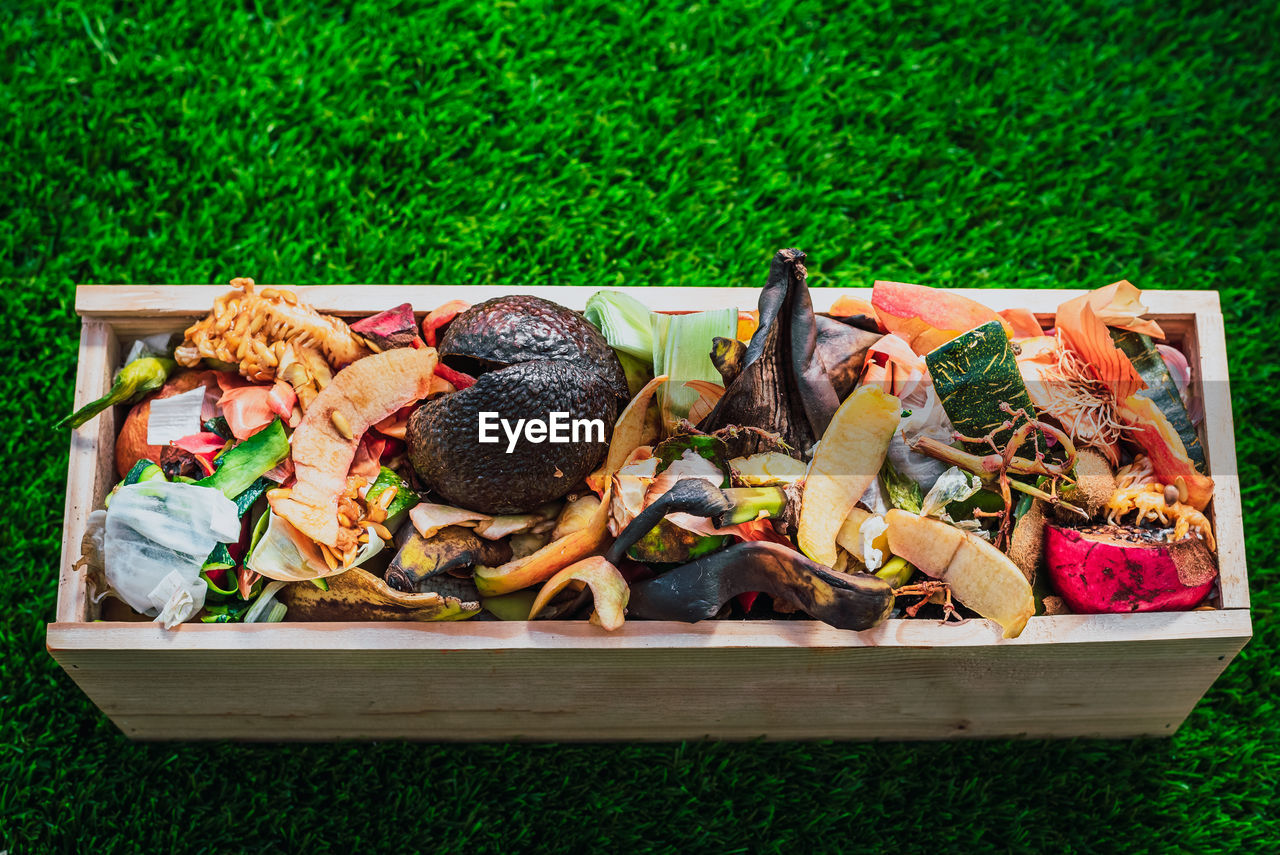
column 918, row 456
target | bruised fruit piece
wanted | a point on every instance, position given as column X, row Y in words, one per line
column 844, row 465
column 358, row 595
column 980, row 576
column 1106, row 568
column 608, row 589
column 324, row 444
column 453, row 549
column 390, row 329
column 514, row 329
column 131, row 442
column 700, row 589
column 513, row 470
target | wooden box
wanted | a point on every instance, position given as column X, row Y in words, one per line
column 1077, row 675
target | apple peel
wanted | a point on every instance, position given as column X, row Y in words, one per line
column 607, row 586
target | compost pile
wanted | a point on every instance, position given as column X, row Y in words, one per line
column 918, row 456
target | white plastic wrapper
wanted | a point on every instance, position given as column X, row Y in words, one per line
column 927, row 419
column 175, row 417
column 954, row 485
column 158, row 535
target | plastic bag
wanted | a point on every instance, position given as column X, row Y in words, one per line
column 157, row 537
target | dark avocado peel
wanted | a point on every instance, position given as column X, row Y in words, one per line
column 509, row 330
column 444, row 447
column 531, row 358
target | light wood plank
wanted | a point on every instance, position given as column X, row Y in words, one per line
column 91, row 465
column 1207, row 355
column 579, row 635
column 187, row 301
column 879, row 692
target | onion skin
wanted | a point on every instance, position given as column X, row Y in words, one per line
column 1105, row 569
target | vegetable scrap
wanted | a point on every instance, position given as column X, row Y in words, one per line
column 918, row 456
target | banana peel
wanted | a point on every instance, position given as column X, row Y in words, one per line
column 358, row 595
column 628, row 434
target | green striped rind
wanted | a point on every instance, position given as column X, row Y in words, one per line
column 1161, row 388
column 973, row 374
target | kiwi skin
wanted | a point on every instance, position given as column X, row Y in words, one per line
column 1095, row 482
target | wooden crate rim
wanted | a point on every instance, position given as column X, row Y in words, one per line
column 104, row 308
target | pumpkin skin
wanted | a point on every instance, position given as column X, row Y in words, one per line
column 1117, row 569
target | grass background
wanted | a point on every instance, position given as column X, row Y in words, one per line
column 1060, row 145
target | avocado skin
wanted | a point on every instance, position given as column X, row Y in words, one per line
column 444, row 447
column 520, row 328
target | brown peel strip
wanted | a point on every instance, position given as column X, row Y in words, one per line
column 608, row 587
column 628, row 435
column 359, row 595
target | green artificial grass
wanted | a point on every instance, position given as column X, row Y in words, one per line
column 1049, row 145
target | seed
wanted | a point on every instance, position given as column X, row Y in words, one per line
column 388, row 496
column 381, row 530
column 341, row 425
column 1170, row 494
column 345, row 521
column 371, row 345
column 376, row 514
column 329, row 557
column 363, row 538
column 280, row 493
column 289, row 297
column 1183, row 492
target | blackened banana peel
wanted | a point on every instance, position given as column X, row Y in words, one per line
column 698, row 590
column 783, row 386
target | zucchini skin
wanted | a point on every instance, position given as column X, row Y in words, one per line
column 1161, row 389
column 973, row 375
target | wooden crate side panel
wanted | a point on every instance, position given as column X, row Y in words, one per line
column 91, row 465
column 659, row 694
column 177, row 302
column 1208, row 357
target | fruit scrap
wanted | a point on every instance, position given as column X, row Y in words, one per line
column 395, row 327
column 1113, row 568
column 367, row 392
column 927, row 318
column 357, row 594
column 439, row 317
column 699, row 590
column 608, row 589
column 1148, row 427
column 783, row 387
column 981, row 576
column 845, row 464
column 270, row 333
column 628, row 433
column 450, row 550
